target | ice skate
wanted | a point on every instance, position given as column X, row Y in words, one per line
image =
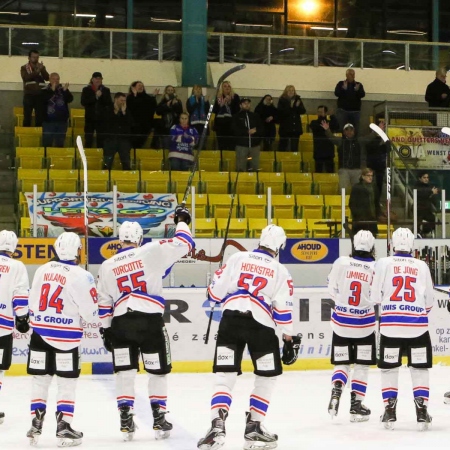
column 447, row 398
column 423, row 418
column 358, row 411
column 390, row 414
column 36, row 426
column 127, row 425
column 336, row 392
column 215, row 436
column 2, row 417
column 66, row 436
column 160, row 425
column 257, row 437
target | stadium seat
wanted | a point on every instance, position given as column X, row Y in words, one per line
column 326, row 183
column 23, row 205
column 28, row 177
column 125, row 180
column 28, row 136
column 382, row 230
column 209, row 160
column 275, row 181
column 147, row 159
column 247, row 182
column 283, row 206
column 30, row 157
column 266, row 161
column 228, row 160
column 156, row 182
column 60, row 180
column 98, row 181
column 25, row 227
column 333, row 206
column 255, row 226
column 289, row 162
column 214, row 182
column 308, row 163
column 220, row 204
column 94, row 159
column 298, row 183
column 310, row 206
column 205, row 228
column 77, row 117
column 319, row 228
column 252, row 205
column 294, row 228
column 179, row 180
column 238, row 228
column 201, row 204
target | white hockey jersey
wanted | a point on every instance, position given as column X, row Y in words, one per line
column 59, row 295
column 256, row 282
column 133, row 278
column 14, row 287
column 349, row 286
column 403, row 286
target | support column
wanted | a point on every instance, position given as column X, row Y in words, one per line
column 130, row 24
column 435, row 33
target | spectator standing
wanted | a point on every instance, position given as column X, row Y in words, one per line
column 197, row 106
column 118, row 138
column 364, row 203
column 349, row 94
column 290, row 108
column 142, row 107
column 426, row 204
column 269, row 117
column 438, row 93
column 247, row 129
column 323, row 147
column 169, row 108
column 56, row 99
column 183, row 139
column 96, row 99
column 226, row 105
column 34, row 76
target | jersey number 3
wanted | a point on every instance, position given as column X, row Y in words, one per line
column 355, row 298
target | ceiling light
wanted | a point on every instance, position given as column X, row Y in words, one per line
column 329, row 28
column 408, row 32
column 93, row 16
column 30, row 43
column 157, row 19
column 15, row 13
column 253, row 25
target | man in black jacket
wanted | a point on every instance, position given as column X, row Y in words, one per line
column 96, row 99
column 427, row 201
column 438, row 93
column 248, row 129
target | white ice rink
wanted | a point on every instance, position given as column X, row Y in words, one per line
column 298, row 413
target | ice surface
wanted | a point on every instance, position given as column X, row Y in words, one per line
column 297, row 413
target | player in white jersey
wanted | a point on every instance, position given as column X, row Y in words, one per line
column 403, row 287
column 256, row 294
column 14, row 286
column 61, row 294
column 131, row 309
column 353, row 324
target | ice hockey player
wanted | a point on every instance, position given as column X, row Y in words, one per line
column 353, row 324
column 14, row 286
column 131, row 309
column 61, row 294
column 256, row 294
column 403, row 287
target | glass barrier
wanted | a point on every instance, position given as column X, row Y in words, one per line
column 142, row 46
column 285, row 50
column 45, row 40
column 86, row 44
column 339, row 53
column 246, row 49
column 214, row 48
column 381, row 55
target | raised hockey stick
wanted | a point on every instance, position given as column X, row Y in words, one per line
column 85, row 199
column 222, row 253
column 205, row 129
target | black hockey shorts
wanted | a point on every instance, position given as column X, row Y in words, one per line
column 6, row 346
column 237, row 330
column 44, row 359
column 136, row 333
column 345, row 350
column 417, row 349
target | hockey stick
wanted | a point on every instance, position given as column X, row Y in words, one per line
column 85, row 199
column 386, row 139
column 222, row 253
column 205, row 129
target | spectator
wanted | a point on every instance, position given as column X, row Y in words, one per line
column 96, row 99
column 290, row 107
column 142, row 107
column 427, row 201
column 364, row 203
column 226, row 105
column 438, row 93
column 248, row 129
column 118, row 133
column 56, row 98
column 349, row 94
column 269, row 117
column 323, row 147
column 183, row 139
column 197, row 106
column 169, row 109
column 351, row 155
column 34, row 76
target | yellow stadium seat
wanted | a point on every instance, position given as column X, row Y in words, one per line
column 214, row 182
column 294, row 228
column 77, row 117
column 178, row 181
column 289, row 162
column 333, row 206
column 209, row 160
column 228, row 160
column 30, row 151
column 283, row 206
column 149, row 159
column 382, row 230
column 220, row 204
column 255, row 226
column 37, row 131
column 60, row 162
column 201, row 204
column 125, row 180
column 156, row 182
column 60, row 180
column 252, row 205
column 94, row 159
column 28, row 177
column 98, row 180
column 326, row 183
column 30, row 157
column 310, row 206
column 266, row 162
column 298, row 183
column 205, row 228
column 25, row 227
column 247, row 182
column 275, row 181
column 238, row 228
column 29, row 140
column 308, row 163
column 23, row 205
column 323, row 228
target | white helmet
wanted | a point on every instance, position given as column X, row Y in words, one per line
column 273, row 237
column 363, row 241
column 67, row 246
column 131, row 231
column 8, row 241
column 403, row 240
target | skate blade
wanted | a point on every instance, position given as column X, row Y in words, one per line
column 423, row 426
column 34, row 440
column 259, row 445
column 389, row 425
column 161, row 434
column 219, row 442
column 67, row 442
column 332, row 409
column 2, row 420
column 127, row 436
column 447, row 400
column 358, row 418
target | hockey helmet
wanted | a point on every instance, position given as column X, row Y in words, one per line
column 273, row 237
column 8, row 241
column 403, row 240
column 131, row 232
column 67, row 246
column 363, row 241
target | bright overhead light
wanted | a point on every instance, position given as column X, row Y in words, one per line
column 93, row 16
column 308, row 6
column 408, row 32
column 290, row 49
column 329, row 28
column 157, row 19
column 253, row 25
column 30, row 43
column 15, row 13
column 389, row 51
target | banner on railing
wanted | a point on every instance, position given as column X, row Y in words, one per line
column 64, row 211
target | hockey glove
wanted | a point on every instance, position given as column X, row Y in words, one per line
column 23, row 323
column 181, row 212
column 290, row 350
column 106, row 334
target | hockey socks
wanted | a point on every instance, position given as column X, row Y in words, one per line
column 222, row 398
